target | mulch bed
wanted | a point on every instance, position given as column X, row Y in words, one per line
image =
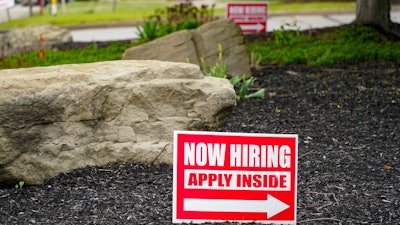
column 347, row 117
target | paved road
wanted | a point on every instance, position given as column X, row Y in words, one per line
column 130, row 32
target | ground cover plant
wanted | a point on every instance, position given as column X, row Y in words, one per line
column 287, row 45
column 92, row 52
column 349, row 43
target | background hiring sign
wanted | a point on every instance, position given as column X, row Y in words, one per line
column 251, row 17
column 234, row 177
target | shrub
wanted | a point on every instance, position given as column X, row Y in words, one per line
column 175, row 18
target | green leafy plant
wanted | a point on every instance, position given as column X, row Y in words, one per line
column 220, row 70
column 245, row 85
column 186, row 11
column 150, row 29
column 187, row 24
column 287, row 34
column 255, row 59
column 20, row 184
column 346, row 44
column 174, row 18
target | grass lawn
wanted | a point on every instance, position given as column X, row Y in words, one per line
column 87, row 12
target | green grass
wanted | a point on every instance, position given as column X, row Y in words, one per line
column 89, row 12
column 311, row 6
column 348, row 44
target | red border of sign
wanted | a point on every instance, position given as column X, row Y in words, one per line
column 249, row 19
column 180, row 193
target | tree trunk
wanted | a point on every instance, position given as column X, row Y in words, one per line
column 30, row 3
column 374, row 12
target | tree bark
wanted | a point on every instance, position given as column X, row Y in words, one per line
column 374, row 12
column 30, row 3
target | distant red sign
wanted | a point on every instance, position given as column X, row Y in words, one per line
column 251, row 17
column 234, row 177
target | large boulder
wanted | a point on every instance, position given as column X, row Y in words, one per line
column 55, row 119
column 32, row 37
column 200, row 44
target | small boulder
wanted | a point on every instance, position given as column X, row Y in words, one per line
column 33, row 37
column 201, row 43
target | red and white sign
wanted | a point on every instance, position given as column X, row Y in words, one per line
column 251, row 17
column 234, row 177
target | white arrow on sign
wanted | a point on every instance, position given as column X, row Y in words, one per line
column 256, row 27
column 271, row 206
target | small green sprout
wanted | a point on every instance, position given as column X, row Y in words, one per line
column 220, row 70
column 20, row 184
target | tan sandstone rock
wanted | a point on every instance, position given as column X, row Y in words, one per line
column 32, row 37
column 55, row 119
column 201, row 43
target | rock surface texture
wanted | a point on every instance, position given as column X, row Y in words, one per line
column 201, row 43
column 33, row 37
column 55, row 119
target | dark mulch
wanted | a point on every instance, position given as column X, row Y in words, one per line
column 348, row 121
